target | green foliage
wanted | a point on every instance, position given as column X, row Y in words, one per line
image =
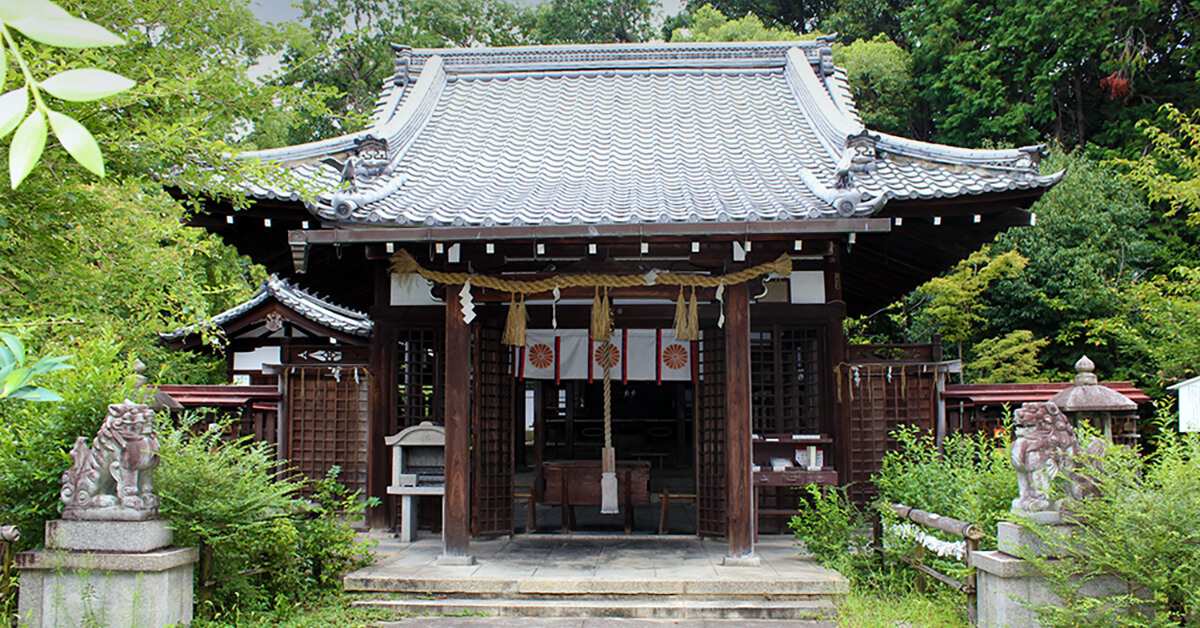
column 1141, row 528
column 1020, row 71
column 16, row 379
column 1170, row 170
column 44, row 22
column 267, row 546
column 865, row 608
column 709, row 24
column 796, row 16
column 880, row 76
column 971, row 480
column 35, row 438
column 1012, row 357
column 594, row 21
column 953, row 299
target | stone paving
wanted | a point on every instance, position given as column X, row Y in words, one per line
column 596, row 564
column 599, row 622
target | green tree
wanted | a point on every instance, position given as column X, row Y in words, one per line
column 1012, row 357
column 1169, row 170
column 797, row 16
column 346, row 52
column 880, row 76
column 953, row 301
column 17, row 378
column 593, row 21
column 1016, row 72
column 709, row 24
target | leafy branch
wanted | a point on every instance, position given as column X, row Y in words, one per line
column 44, row 22
column 16, row 379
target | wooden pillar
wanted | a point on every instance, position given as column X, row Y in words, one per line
column 740, row 499
column 381, row 422
column 843, row 453
column 381, row 410
column 457, row 520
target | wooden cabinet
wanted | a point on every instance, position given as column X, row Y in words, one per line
column 781, row 467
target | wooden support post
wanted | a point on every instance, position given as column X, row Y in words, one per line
column 740, row 498
column 381, row 421
column 456, row 527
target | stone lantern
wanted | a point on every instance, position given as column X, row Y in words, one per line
column 1087, row 400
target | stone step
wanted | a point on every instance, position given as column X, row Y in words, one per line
column 717, row 588
column 641, row 607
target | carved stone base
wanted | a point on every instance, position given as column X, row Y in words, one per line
column 120, row 589
column 108, row 536
column 1008, row 587
column 106, row 573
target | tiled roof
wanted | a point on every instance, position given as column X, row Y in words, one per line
column 621, row 134
column 295, row 298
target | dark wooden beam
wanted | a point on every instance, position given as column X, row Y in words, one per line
column 457, row 526
column 710, row 230
column 740, row 500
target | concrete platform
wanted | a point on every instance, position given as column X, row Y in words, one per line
column 581, row 575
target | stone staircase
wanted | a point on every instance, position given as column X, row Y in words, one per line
column 666, row 578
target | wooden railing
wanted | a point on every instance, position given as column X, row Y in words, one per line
column 969, row 532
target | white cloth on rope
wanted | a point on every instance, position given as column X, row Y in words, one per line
column 957, row 549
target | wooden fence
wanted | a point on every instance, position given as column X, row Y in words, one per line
column 969, row 532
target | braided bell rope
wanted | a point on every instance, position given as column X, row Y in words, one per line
column 403, row 263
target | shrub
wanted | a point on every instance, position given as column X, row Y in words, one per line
column 261, row 544
column 971, row 480
column 1142, row 529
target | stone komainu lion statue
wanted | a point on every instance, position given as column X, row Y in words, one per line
column 1047, row 450
column 111, row 480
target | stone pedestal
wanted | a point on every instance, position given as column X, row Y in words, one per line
column 107, row 573
column 1009, row 587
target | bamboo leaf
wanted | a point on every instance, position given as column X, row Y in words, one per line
column 46, row 365
column 13, row 11
column 78, row 141
column 85, row 84
column 26, row 148
column 14, row 345
column 12, row 106
column 3, row 65
column 16, row 380
column 35, row 393
column 66, row 32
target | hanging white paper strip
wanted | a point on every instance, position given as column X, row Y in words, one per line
column 468, row 305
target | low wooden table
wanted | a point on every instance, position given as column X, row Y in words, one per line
column 571, row 483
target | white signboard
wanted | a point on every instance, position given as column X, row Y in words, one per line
column 1189, row 407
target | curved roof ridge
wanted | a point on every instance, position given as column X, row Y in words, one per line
column 1024, row 158
column 292, row 296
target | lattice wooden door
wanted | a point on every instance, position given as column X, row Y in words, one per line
column 327, row 422
column 492, row 415
column 881, row 397
column 711, row 518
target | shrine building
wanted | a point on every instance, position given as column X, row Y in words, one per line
column 648, row 250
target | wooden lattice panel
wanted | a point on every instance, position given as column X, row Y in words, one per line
column 419, row 377
column 785, row 370
column 711, row 516
column 327, row 422
column 881, row 397
column 492, row 435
